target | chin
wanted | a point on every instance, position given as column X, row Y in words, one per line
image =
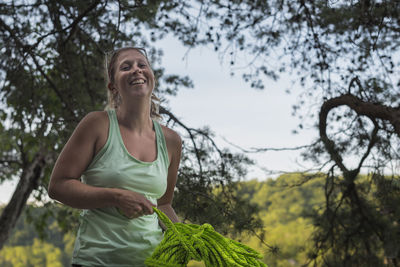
column 140, row 93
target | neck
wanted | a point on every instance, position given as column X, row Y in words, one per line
column 135, row 117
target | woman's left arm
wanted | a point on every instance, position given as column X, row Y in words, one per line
column 174, row 146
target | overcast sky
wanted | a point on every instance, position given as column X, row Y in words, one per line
column 234, row 111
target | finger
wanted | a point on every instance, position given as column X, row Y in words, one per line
column 147, row 208
column 132, row 211
column 147, row 205
column 138, row 208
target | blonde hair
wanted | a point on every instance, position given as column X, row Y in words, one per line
column 114, row 100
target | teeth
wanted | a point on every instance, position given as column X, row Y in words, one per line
column 138, row 81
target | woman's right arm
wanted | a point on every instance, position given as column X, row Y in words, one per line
column 73, row 160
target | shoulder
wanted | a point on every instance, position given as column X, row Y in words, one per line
column 94, row 120
column 92, row 126
column 174, row 144
column 95, row 117
column 96, row 124
column 172, row 138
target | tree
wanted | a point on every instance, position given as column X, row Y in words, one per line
column 345, row 54
column 51, row 63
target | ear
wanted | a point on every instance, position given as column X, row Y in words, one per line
column 111, row 87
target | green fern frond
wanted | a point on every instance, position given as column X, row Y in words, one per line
column 185, row 242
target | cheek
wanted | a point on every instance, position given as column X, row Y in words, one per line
column 152, row 81
column 121, row 78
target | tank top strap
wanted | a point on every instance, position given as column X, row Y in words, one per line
column 161, row 143
column 113, row 127
column 111, row 139
column 111, row 117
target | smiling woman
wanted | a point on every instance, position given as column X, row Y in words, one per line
column 114, row 99
column 117, row 165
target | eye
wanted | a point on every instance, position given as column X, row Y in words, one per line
column 125, row 67
column 142, row 65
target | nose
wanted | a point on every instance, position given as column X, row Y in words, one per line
column 136, row 69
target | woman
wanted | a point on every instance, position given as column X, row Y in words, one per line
column 127, row 163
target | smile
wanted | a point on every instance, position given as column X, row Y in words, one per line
column 137, row 81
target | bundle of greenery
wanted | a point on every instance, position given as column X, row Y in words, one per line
column 185, row 242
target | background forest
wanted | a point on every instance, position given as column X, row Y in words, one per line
column 342, row 55
column 284, row 208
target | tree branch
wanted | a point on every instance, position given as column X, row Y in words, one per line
column 265, row 149
column 175, row 119
column 362, row 108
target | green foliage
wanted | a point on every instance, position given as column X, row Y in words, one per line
column 185, row 242
column 38, row 254
column 281, row 207
column 365, row 233
column 289, row 212
column 209, row 180
column 299, row 219
column 27, row 247
column 285, row 207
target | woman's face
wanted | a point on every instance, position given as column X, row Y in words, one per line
column 133, row 77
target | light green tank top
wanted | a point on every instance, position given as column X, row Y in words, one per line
column 105, row 237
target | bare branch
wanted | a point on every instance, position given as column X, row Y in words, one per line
column 189, row 130
column 266, row 149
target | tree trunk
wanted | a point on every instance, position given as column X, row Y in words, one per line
column 29, row 179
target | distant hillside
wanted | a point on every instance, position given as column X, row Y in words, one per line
column 26, row 247
column 285, row 207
